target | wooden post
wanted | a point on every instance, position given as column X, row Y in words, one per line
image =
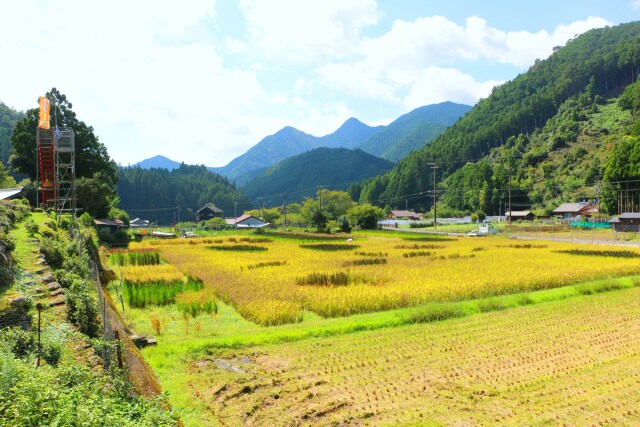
column 39, row 308
column 118, row 349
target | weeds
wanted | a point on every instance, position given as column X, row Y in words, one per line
column 434, row 313
column 141, row 294
column 598, row 287
column 325, row 279
column 266, row 264
column 330, row 246
column 416, row 254
column 239, row 248
column 191, row 303
column 366, row 261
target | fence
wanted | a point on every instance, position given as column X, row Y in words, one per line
column 119, row 350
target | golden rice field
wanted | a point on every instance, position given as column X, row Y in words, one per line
column 273, row 280
column 152, row 273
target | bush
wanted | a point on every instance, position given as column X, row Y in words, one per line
column 32, row 227
column 343, row 224
column 54, row 251
column 82, row 309
column 19, row 342
column 86, row 220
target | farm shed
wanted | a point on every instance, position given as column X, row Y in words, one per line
column 628, row 221
column 572, row 210
column 520, row 216
column 246, row 221
column 209, row 211
column 139, row 223
column 110, row 225
column 10, row 193
column 405, row 214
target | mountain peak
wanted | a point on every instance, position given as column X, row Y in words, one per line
column 158, row 162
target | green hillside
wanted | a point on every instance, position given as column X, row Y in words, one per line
column 289, row 142
column 169, row 196
column 8, row 120
column 553, row 126
column 413, row 130
column 300, row 175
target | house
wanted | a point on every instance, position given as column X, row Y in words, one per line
column 246, row 221
column 209, row 211
column 139, row 223
column 628, row 221
column 520, row 216
column 110, row 225
column 572, row 210
column 10, row 193
column 405, row 215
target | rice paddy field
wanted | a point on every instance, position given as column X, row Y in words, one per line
column 389, row 329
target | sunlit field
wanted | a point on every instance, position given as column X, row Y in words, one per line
column 570, row 362
column 386, row 328
column 273, row 280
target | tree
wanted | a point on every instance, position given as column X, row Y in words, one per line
column 6, row 181
column 334, row 204
column 319, row 220
column 365, row 216
column 630, row 99
column 215, row 222
column 93, row 166
column 271, row 215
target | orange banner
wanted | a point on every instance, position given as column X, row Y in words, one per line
column 44, row 112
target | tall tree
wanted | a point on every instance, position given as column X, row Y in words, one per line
column 96, row 172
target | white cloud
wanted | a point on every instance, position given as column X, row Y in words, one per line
column 358, row 79
column 435, row 85
column 411, row 53
column 635, row 4
column 152, row 77
column 138, row 77
column 304, row 30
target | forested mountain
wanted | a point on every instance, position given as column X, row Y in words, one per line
column 171, row 196
column 289, row 142
column 554, row 127
column 299, row 176
column 8, row 120
column 349, row 135
column 158, row 162
column 413, row 130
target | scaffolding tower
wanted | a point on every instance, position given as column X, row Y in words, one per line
column 57, row 169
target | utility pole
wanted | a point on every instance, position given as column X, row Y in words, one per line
column 235, row 215
column 284, row 205
column 261, row 208
column 434, row 166
column 509, row 194
column 320, row 187
column 598, row 191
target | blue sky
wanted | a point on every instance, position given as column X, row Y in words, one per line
column 202, row 81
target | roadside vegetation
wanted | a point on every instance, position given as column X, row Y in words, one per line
column 69, row 387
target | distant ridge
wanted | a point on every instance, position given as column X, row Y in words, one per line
column 413, row 130
column 288, row 142
column 393, row 142
column 409, row 132
column 158, row 162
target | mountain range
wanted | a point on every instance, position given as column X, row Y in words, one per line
column 392, row 142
